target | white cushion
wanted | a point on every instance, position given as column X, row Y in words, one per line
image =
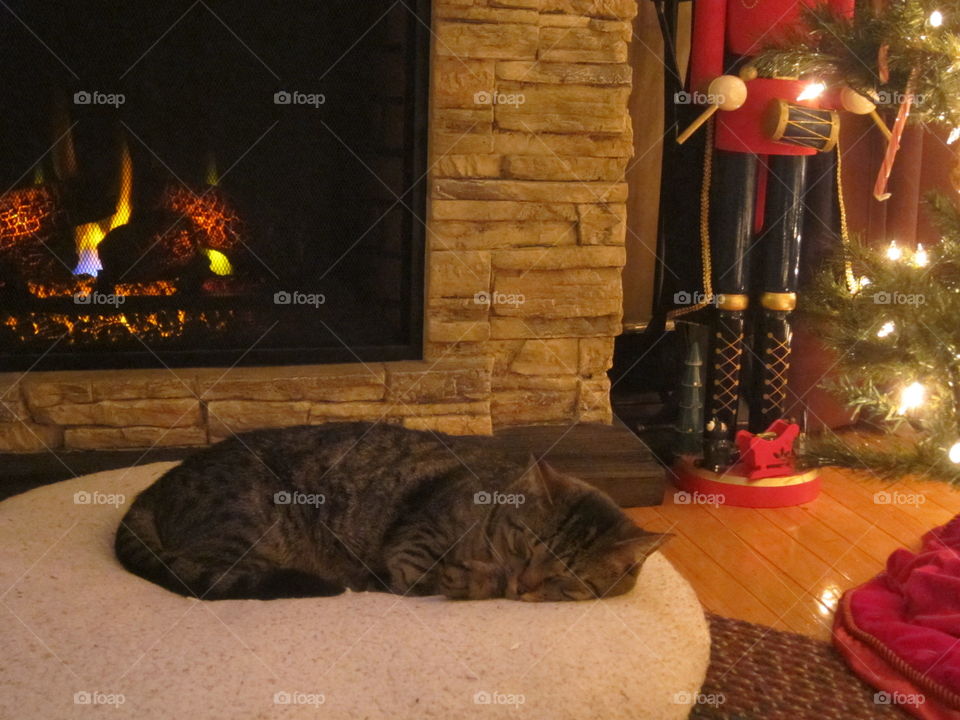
column 80, row 630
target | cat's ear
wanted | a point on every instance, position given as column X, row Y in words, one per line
column 548, row 479
column 641, row 542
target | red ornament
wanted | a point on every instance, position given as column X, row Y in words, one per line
column 769, row 454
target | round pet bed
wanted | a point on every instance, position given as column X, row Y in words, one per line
column 84, row 638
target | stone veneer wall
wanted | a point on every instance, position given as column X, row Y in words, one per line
column 527, row 202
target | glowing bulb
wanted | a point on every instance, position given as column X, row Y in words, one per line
column 920, row 257
column 812, row 91
column 885, row 329
column 894, row 252
column 911, row 397
column 936, row 18
column 954, row 453
column 954, row 136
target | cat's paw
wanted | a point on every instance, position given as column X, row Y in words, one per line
column 472, row 580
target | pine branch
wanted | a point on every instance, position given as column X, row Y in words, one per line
column 846, row 52
column 900, row 330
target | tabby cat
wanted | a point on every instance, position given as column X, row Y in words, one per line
column 308, row 511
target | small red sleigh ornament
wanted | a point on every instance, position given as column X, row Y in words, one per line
column 764, row 476
column 770, row 453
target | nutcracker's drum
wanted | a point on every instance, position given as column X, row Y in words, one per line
column 803, row 126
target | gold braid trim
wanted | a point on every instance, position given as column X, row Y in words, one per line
column 852, row 283
column 704, row 232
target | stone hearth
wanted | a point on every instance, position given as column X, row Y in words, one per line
column 529, row 140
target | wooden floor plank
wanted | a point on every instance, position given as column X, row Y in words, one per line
column 774, row 589
column 713, row 583
column 858, row 494
column 786, row 567
column 820, row 539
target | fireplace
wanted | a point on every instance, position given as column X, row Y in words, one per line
column 212, row 183
column 514, row 283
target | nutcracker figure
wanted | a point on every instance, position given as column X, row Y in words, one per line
column 763, row 130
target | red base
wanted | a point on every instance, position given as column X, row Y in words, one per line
column 733, row 488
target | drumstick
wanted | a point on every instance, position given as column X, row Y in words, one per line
column 695, row 125
column 729, row 93
column 860, row 104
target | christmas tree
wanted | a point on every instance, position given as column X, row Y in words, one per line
column 905, row 47
column 892, row 316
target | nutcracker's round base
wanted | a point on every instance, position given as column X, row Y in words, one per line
column 732, row 487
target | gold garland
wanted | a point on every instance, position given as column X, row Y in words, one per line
column 704, row 231
column 851, row 280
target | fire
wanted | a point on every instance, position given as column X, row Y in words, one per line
column 219, row 263
column 80, row 286
column 155, row 289
column 217, row 222
column 89, row 235
column 24, row 213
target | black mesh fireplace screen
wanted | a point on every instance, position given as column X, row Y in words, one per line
column 211, row 182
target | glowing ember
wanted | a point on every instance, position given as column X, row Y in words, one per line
column 216, row 221
column 25, row 213
column 154, row 289
column 82, row 286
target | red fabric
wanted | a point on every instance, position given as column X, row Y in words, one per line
column 906, row 624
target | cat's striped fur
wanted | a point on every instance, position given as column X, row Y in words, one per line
column 376, row 507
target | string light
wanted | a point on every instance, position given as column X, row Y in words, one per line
column 811, row 91
column 893, row 251
column 886, row 329
column 936, row 18
column 954, row 453
column 911, row 397
column 920, row 257
column 954, row 136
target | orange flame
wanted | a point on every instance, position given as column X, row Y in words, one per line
column 89, row 235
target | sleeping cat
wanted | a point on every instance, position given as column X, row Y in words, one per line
column 309, row 511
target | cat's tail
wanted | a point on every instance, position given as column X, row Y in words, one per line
column 139, row 549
